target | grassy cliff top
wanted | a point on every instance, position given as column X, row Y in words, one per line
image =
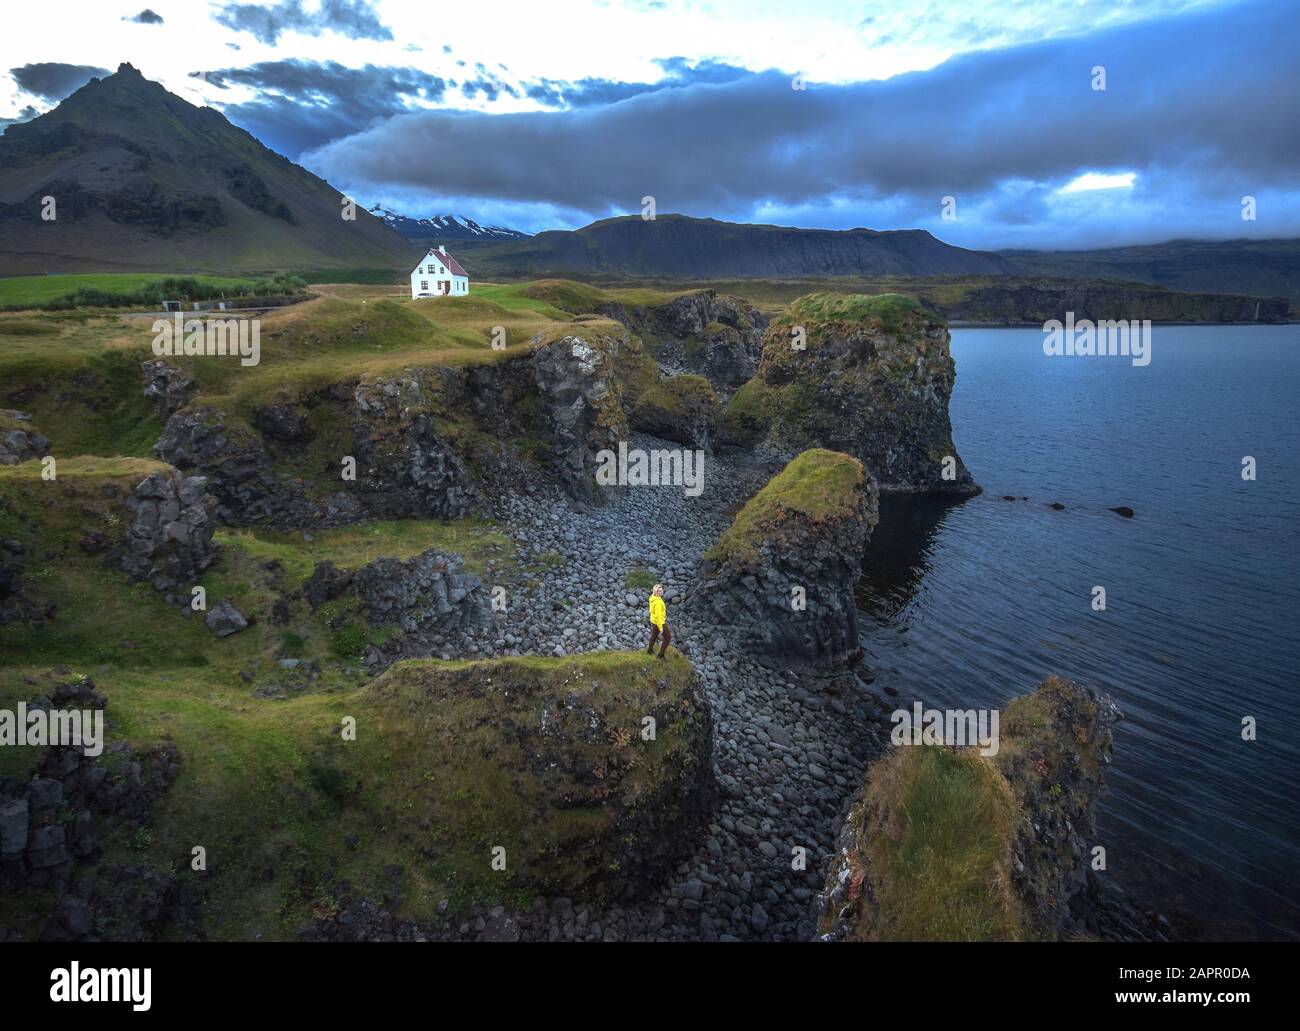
column 890, row 313
column 818, row 484
column 934, row 828
column 91, row 470
column 933, row 835
column 541, row 756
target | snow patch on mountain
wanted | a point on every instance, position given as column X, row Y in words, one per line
column 443, row 227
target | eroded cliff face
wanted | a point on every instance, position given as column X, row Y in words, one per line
column 784, row 571
column 419, row 442
column 1008, row 839
column 870, row 376
column 551, row 759
column 718, row 337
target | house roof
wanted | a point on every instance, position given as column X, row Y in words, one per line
column 453, row 266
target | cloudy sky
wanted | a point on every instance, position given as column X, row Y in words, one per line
column 817, row 113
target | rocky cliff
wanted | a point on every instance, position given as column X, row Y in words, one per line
column 416, row 599
column 591, row 775
column 867, row 375
column 716, row 336
column 784, row 571
column 682, row 408
column 950, row 844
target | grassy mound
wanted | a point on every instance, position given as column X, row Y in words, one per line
column 948, row 844
column 818, row 484
column 543, row 757
column 933, row 835
column 680, row 395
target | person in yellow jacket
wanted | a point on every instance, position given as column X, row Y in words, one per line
column 658, row 621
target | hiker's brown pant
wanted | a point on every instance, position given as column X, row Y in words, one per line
column 654, row 636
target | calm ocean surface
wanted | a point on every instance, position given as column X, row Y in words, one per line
column 971, row 604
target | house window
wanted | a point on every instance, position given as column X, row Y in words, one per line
column 424, row 284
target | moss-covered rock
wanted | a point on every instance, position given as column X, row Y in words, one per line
column 949, row 844
column 784, row 571
column 712, row 334
column 546, row 758
column 869, row 375
column 19, row 439
column 682, row 408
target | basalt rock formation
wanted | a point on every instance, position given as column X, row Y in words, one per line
column 1008, row 836
column 169, row 539
column 418, row 598
column 719, row 337
column 19, row 439
column 581, row 402
column 53, row 824
column 786, row 567
column 592, row 774
column 682, row 408
column 867, row 375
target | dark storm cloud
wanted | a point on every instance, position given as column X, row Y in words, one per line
column 355, row 19
column 678, row 72
column 54, row 81
column 146, row 17
column 303, row 104
column 1196, row 100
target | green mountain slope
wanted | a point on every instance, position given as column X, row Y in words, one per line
column 144, row 180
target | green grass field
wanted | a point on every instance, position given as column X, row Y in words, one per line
column 18, row 292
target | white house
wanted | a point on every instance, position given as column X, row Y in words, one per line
column 439, row 275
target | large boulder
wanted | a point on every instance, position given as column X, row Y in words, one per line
column 413, row 601
column 682, row 408
column 783, row 573
column 585, row 777
column 954, row 844
column 202, row 439
column 169, row 539
column 867, row 375
column 169, row 388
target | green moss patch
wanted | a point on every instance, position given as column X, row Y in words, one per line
column 818, row 484
column 935, row 830
column 541, row 757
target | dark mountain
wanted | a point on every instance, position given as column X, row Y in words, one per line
column 1257, row 267
column 679, row 247
column 440, row 228
column 144, row 180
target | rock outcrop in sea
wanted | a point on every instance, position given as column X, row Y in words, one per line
column 1007, row 838
column 867, row 375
